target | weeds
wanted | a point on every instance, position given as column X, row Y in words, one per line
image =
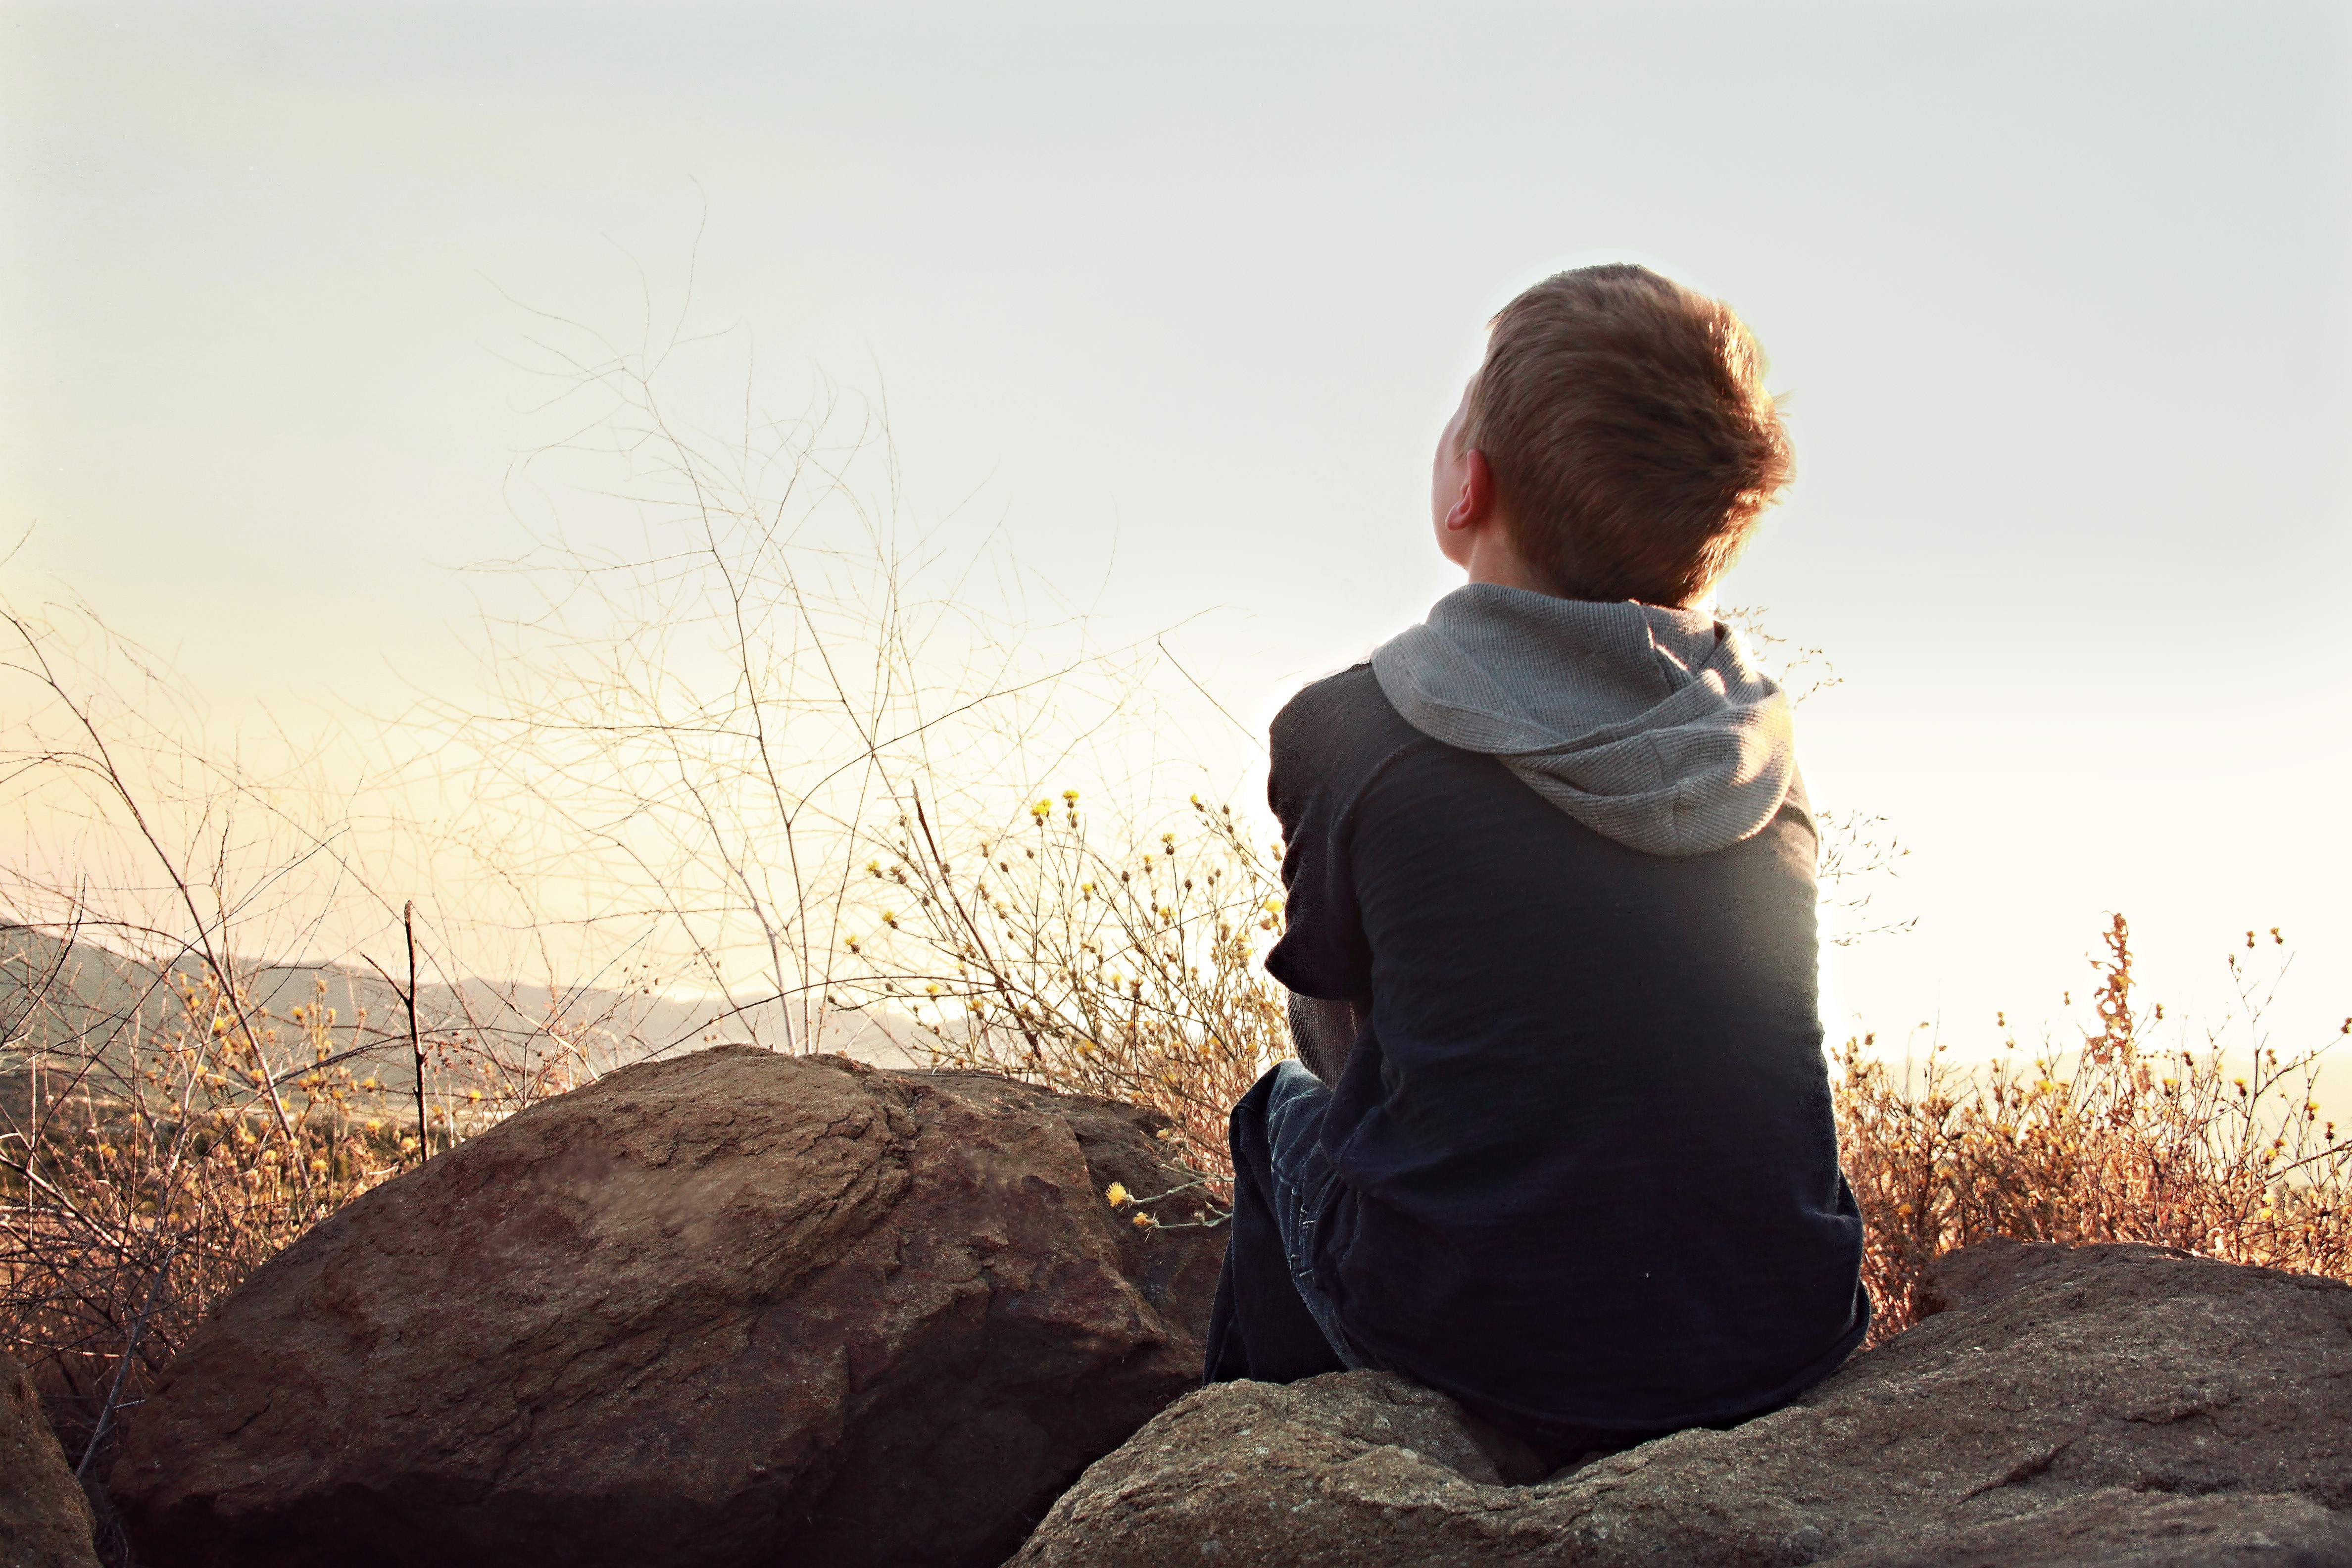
column 2226, row 1153
column 146, row 1176
column 138, row 1191
column 1132, row 975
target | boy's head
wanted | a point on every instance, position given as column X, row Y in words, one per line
column 1620, row 436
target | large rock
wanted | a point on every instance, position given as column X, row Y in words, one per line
column 734, row 1309
column 2107, row 1405
column 2118, row 1528
column 44, row 1518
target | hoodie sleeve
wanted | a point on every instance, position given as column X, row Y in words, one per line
column 1323, row 953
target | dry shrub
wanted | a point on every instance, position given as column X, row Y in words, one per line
column 162, row 1132
column 145, row 1173
column 2221, row 1153
column 136, row 1189
column 1132, row 974
column 678, row 763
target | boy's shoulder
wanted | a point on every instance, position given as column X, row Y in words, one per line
column 1343, row 730
column 1341, row 724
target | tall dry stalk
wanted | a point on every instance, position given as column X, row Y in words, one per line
column 174, row 1106
column 2224, row 1151
column 692, row 746
column 1132, row 972
column 663, row 797
column 135, row 1190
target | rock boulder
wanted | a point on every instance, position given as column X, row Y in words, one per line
column 734, row 1309
column 44, row 1518
column 2105, row 1404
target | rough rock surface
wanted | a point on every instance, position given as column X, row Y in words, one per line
column 733, row 1308
column 2106, row 1404
column 2118, row 1528
column 44, row 1518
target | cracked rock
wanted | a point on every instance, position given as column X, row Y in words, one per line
column 733, row 1308
column 2114, row 1406
column 44, row 1518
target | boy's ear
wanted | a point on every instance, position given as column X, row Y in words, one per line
column 1475, row 502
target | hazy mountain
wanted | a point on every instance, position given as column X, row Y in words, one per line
column 71, row 999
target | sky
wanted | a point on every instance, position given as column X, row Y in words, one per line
column 1169, row 302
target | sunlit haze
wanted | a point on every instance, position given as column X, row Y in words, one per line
column 1167, row 304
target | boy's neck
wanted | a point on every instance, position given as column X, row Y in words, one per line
column 1489, row 556
column 1493, row 561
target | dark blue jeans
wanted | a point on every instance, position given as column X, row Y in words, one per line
column 1272, row 1322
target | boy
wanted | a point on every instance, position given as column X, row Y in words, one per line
column 1551, row 932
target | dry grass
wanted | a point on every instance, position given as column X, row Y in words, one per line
column 138, row 1189
column 1132, row 974
column 138, row 1186
column 145, row 1175
column 666, row 792
column 2219, row 1151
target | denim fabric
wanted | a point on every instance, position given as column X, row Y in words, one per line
column 1301, row 1179
column 1269, row 1323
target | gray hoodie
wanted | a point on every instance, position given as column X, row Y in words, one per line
column 1644, row 723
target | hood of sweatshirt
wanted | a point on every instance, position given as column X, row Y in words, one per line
column 1644, row 723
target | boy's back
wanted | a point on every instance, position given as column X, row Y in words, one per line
column 1587, row 1168
column 1549, row 849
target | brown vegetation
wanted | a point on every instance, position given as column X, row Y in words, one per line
column 1132, row 974
column 2121, row 1139
column 144, row 1175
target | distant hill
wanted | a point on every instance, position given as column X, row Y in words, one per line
column 71, row 999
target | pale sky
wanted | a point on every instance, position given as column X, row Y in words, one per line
column 1174, row 298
